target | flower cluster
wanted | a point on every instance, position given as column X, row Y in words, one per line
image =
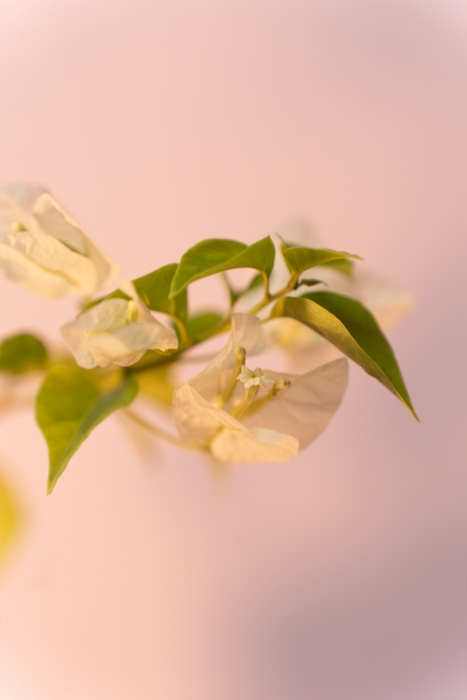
column 266, row 416
column 234, row 412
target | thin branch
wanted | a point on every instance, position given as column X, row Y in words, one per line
column 155, row 430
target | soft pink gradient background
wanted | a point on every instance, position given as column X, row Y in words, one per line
column 336, row 576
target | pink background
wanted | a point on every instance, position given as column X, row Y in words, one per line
column 336, row 576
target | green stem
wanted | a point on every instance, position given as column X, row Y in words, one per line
column 272, row 297
column 181, row 329
column 155, row 430
column 196, row 340
column 266, row 287
column 238, row 411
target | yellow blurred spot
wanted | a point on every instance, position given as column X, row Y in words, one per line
column 156, row 383
column 10, row 518
column 17, row 227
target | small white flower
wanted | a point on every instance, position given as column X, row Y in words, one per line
column 255, row 378
column 265, row 426
column 44, row 249
column 117, row 331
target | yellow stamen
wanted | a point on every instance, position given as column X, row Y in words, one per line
column 250, row 395
column 240, row 357
column 17, row 227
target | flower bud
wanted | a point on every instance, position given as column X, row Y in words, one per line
column 281, row 385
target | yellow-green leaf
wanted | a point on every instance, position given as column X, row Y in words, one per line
column 69, row 406
column 22, row 353
column 300, row 259
column 154, row 289
column 218, row 255
column 201, row 323
column 350, row 327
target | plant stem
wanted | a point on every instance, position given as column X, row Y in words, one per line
column 181, row 329
column 196, row 340
column 155, row 430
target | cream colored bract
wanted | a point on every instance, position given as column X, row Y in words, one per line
column 269, row 427
column 44, row 249
column 117, row 331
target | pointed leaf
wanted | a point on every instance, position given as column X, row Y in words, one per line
column 69, row 406
column 300, row 259
column 311, row 283
column 22, row 353
column 345, row 266
column 218, row 255
column 201, row 322
column 154, row 289
column 350, row 327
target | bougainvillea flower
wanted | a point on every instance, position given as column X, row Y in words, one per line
column 267, row 420
column 117, row 331
column 44, row 249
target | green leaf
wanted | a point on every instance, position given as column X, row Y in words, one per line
column 69, row 406
column 350, row 327
column 346, row 267
column 311, row 283
column 218, row 255
column 154, row 289
column 22, row 353
column 201, row 322
column 300, row 259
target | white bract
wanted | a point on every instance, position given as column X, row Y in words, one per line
column 44, row 249
column 117, row 331
column 264, row 416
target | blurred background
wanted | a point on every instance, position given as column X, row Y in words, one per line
column 340, row 575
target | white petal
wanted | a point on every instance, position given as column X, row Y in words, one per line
column 247, row 332
column 16, row 204
column 148, row 336
column 19, row 268
column 304, row 410
column 108, row 315
column 260, row 446
column 128, row 288
column 50, row 218
column 101, row 336
column 92, row 349
column 52, row 256
column 197, row 419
